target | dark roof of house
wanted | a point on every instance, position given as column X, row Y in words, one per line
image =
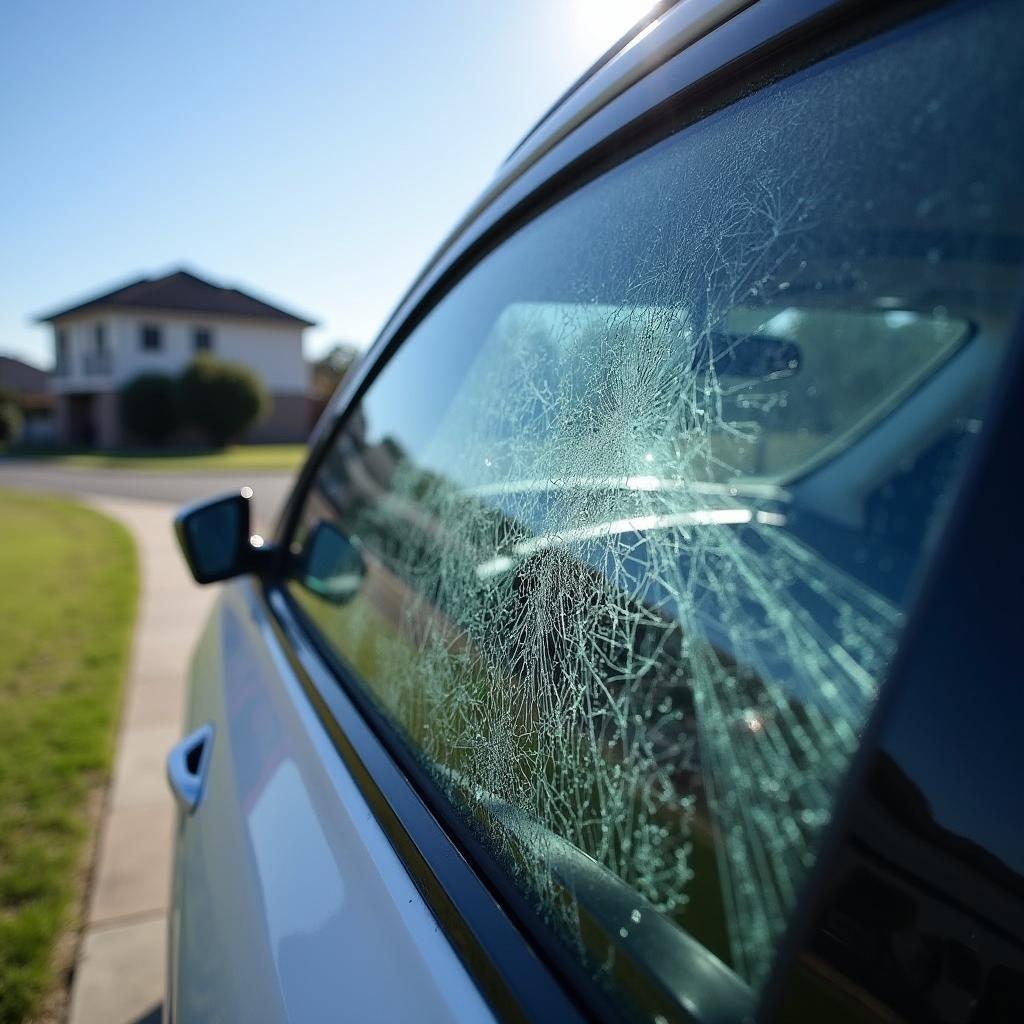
column 182, row 292
column 22, row 378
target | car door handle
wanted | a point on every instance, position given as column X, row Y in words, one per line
column 187, row 764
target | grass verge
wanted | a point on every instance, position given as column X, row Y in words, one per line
column 68, row 585
column 187, row 460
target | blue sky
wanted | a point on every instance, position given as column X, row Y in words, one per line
column 315, row 152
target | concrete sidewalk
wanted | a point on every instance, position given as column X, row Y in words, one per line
column 119, row 974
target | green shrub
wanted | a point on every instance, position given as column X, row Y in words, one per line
column 149, row 408
column 10, row 416
column 221, row 399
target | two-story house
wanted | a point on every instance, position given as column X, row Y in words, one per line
column 158, row 325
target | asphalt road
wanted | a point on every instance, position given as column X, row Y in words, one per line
column 269, row 489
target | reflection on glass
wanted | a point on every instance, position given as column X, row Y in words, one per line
column 213, row 534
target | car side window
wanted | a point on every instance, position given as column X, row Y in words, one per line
column 621, row 540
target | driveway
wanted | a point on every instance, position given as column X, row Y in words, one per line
column 269, row 488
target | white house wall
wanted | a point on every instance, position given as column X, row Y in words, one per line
column 272, row 351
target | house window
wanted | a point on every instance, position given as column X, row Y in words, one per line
column 60, row 351
column 202, row 339
column 150, row 338
column 100, row 338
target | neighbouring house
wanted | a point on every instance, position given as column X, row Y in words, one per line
column 159, row 325
column 35, row 399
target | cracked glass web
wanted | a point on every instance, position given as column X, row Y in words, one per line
column 640, row 503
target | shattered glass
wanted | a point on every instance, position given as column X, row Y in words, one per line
column 641, row 503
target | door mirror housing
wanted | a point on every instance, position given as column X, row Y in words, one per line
column 332, row 564
column 216, row 540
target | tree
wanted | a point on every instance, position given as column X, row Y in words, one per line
column 331, row 367
column 148, row 407
column 221, row 399
column 10, row 416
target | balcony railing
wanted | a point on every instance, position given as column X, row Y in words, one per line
column 97, row 363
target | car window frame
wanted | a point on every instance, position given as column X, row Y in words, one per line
column 443, row 860
column 740, row 56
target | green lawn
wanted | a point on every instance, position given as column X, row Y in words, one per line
column 242, row 456
column 68, row 586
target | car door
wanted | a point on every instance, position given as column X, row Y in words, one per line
column 290, row 903
column 587, row 598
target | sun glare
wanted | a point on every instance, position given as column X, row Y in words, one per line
column 600, row 22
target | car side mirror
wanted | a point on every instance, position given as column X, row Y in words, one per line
column 332, row 565
column 215, row 538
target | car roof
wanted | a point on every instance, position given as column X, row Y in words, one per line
column 620, row 44
column 668, row 28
